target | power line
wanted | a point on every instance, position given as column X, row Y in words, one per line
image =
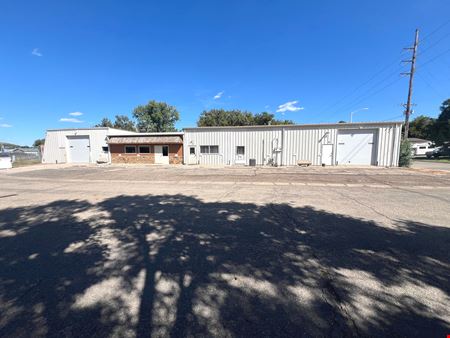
column 434, row 44
column 393, row 118
column 434, row 58
column 367, row 93
column 434, row 31
column 362, row 99
column 430, row 85
column 360, row 86
column 358, row 99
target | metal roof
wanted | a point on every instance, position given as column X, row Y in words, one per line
column 93, row 128
column 317, row 125
column 126, row 132
column 175, row 139
column 176, row 133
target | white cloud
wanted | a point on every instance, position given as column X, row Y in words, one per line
column 5, row 125
column 70, row 119
column 76, row 113
column 288, row 106
column 36, row 52
column 218, row 95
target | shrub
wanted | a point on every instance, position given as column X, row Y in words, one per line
column 405, row 154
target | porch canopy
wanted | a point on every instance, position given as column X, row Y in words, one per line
column 173, row 139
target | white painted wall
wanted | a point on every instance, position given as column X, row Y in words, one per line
column 56, row 143
column 286, row 145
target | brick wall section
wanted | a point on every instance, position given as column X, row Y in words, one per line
column 175, row 149
column 118, row 154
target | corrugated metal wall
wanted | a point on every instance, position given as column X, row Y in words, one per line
column 260, row 144
column 301, row 144
column 56, row 145
column 286, row 145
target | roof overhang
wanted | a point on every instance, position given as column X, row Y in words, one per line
column 156, row 139
column 353, row 125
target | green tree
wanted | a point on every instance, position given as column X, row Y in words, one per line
column 263, row 119
column 156, row 117
column 221, row 117
column 442, row 124
column 38, row 142
column 123, row 122
column 405, row 154
column 422, row 127
column 235, row 117
column 281, row 122
column 105, row 122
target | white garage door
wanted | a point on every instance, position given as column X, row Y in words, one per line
column 79, row 149
column 356, row 147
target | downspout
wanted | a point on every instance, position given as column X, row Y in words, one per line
column 282, row 146
column 262, row 158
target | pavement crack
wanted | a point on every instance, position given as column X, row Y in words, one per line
column 342, row 320
column 339, row 192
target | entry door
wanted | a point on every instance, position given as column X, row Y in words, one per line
column 240, row 155
column 162, row 154
column 356, row 147
column 327, row 154
column 79, row 149
column 192, row 155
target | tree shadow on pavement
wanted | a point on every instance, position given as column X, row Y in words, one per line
column 174, row 265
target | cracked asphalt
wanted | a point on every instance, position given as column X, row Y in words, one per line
column 185, row 251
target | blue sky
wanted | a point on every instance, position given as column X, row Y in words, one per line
column 102, row 58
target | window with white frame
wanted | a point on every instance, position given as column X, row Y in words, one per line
column 209, row 149
column 240, row 150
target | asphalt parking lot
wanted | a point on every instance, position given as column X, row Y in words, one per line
column 182, row 251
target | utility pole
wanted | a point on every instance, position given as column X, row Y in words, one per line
column 411, row 79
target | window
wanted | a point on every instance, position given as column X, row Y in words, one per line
column 192, row 150
column 423, row 147
column 130, row 149
column 105, row 149
column 209, row 149
column 144, row 149
column 240, row 150
column 165, row 150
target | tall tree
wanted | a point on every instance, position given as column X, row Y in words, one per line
column 442, row 124
column 221, row 117
column 38, row 142
column 281, row 122
column 263, row 119
column 105, row 122
column 123, row 122
column 422, row 127
column 225, row 118
column 156, row 117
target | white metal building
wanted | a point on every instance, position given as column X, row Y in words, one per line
column 376, row 143
column 83, row 145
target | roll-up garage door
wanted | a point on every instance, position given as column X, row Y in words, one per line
column 79, row 149
column 356, row 147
